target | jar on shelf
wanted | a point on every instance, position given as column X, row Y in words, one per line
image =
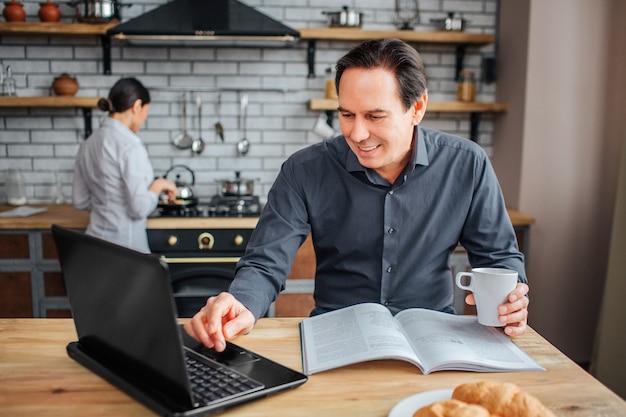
column 14, row 11
column 466, row 86
column 331, row 91
column 49, row 11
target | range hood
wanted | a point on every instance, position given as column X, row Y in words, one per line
column 210, row 22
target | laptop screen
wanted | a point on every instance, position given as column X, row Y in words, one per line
column 122, row 306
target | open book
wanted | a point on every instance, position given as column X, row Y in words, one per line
column 431, row 340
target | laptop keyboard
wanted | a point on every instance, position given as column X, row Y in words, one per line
column 212, row 382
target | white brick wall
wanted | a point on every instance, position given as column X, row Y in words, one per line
column 43, row 142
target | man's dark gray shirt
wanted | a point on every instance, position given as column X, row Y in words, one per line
column 375, row 241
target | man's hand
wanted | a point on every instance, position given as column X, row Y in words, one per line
column 222, row 318
column 514, row 313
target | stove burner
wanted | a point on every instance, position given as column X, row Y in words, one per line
column 180, row 211
column 219, row 206
column 235, row 205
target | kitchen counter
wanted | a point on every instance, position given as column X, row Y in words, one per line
column 68, row 216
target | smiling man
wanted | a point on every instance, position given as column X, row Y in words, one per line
column 386, row 203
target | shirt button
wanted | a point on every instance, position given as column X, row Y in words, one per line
column 389, row 269
column 391, row 230
column 391, row 192
column 386, row 302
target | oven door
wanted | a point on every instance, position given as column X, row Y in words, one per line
column 201, row 262
column 196, row 279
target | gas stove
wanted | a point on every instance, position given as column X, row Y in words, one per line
column 218, row 206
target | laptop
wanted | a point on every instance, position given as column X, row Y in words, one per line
column 128, row 333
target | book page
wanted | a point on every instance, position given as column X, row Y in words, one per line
column 350, row 335
column 446, row 341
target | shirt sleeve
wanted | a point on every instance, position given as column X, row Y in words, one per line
column 282, row 228
column 488, row 235
column 81, row 196
column 137, row 175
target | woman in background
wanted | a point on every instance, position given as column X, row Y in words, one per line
column 113, row 177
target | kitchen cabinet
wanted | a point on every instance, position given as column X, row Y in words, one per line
column 31, row 284
column 461, row 40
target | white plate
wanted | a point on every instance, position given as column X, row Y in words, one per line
column 409, row 405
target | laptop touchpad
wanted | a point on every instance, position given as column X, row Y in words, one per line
column 233, row 355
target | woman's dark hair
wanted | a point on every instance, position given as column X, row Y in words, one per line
column 123, row 95
column 393, row 55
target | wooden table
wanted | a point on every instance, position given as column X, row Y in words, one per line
column 37, row 378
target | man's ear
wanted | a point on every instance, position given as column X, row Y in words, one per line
column 419, row 108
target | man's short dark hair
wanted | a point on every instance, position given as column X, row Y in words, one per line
column 393, row 55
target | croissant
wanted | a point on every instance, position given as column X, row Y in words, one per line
column 505, row 400
column 452, row 408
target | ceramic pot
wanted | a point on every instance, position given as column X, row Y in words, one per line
column 65, row 85
column 14, row 11
column 49, row 12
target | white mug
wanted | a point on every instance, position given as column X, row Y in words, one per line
column 322, row 128
column 491, row 287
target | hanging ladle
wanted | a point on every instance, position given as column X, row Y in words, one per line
column 183, row 140
column 219, row 129
column 197, row 146
column 243, row 146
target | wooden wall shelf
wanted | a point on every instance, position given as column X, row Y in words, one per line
column 85, row 103
column 353, row 34
column 433, row 106
column 49, row 101
column 68, row 29
column 461, row 39
column 475, row 110
column 55, row 28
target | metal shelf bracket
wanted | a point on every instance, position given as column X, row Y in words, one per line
column 310, row 57
column 474, row 123
column 106, row 54
column 87, row 121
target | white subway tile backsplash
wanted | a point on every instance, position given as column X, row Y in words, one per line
column 44, row 141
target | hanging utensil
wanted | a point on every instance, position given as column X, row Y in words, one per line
column 243, row 146
column 197, row 146
column 219, row 129
column 183, row 140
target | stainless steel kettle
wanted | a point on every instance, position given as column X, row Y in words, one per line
column 185, row 190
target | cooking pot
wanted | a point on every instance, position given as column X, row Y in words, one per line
column 184, row 195
column 451, row 23
column 345, row 18
column 97, row 11
column 238, row 186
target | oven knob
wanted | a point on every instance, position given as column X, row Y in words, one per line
column 205, row 240
column 238, row 240
column 172, row 240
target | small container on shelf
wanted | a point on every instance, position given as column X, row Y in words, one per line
column 466, row 86
column 331, row 91
column 49, row 11
column 14, row 11
column 65, row 85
